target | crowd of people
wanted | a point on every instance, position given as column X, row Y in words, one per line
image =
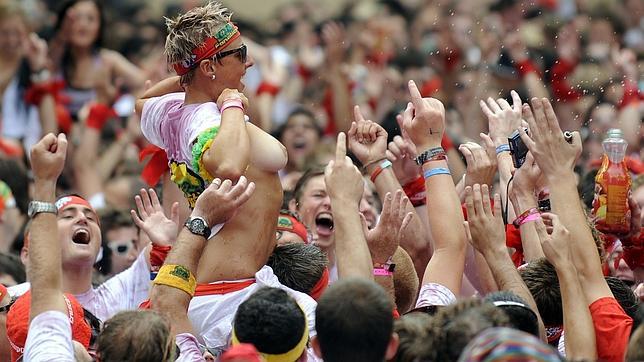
column 182, row 184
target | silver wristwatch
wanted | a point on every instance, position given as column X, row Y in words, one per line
column 36, row 207
column 198, row 226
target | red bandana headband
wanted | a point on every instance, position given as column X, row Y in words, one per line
column 65, row 201
column 289, row 223
column 210, row 47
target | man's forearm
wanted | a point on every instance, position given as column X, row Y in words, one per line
column 580, row 343
column 565, row 203
column 445, row 222
column 44, row 261
column 505, row 167
column 529, row 238
column 172, row 301
column 351, row 250
column 507, row 278
column 415, row 239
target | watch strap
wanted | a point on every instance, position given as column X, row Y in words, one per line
column 37, row 207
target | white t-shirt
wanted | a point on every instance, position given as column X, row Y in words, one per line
column 212, row 315
column 124, row 291
column 435, row 294
column 49, row 338
column 188, row 348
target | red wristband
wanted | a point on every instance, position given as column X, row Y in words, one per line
column 265, row 87
column 416, row 191
column 383, row 165
column 158, row 255
column 528, row 215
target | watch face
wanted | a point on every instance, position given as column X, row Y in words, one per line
column 198, row 225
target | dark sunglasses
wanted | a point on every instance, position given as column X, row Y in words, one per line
column 6, row 308
column 95, row 325
column 242, row 52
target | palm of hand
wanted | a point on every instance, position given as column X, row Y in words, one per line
column 159, row 228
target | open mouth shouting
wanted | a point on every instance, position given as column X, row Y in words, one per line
column 324, row 224
column 81, row 236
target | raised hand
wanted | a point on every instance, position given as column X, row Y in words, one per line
column 484, row 228
column 36, row 52
column 383, row 240
column 367, row 139
column 220, row 200
column 526, row 178
column 424, row 119
column 401, row 152
column 554, row 155
column 481, row 162
column 335, row 40
column 343, row 180
column 150, row 218
column 229, row 93
column 48, row 157
column 503, row 119
column 556, row 242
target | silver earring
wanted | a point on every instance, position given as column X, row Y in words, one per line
column 213, row 77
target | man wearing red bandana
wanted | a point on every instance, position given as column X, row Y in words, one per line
column 79, row 233
column 199, row 119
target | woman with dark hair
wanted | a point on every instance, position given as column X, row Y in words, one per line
column 89, row 70
column 23, row 61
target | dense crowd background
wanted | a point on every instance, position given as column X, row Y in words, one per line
column 310, row 68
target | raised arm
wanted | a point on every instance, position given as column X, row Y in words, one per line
column 503, row 119
column 47, row 162
column 524, row 199
column 580, row 334
column 556, row 159
column 215, row 205
column 345, row 187
column 486, row 232
column 424, row 122
column 229, row 156
column 368, row 142
column 168, row 85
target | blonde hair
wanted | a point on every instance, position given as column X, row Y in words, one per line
column 188, row 31
column 10, row 9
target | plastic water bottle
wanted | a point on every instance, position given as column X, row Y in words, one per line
column 611, row 212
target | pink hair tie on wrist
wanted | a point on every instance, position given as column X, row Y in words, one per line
column 382, row 272
column 232, row 103
column 532, row 217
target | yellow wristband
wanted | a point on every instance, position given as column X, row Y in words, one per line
column 177, row 276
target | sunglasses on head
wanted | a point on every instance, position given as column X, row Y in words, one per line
column 242, row 54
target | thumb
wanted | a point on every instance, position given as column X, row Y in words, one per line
column 363, row 221
column 61, row 147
